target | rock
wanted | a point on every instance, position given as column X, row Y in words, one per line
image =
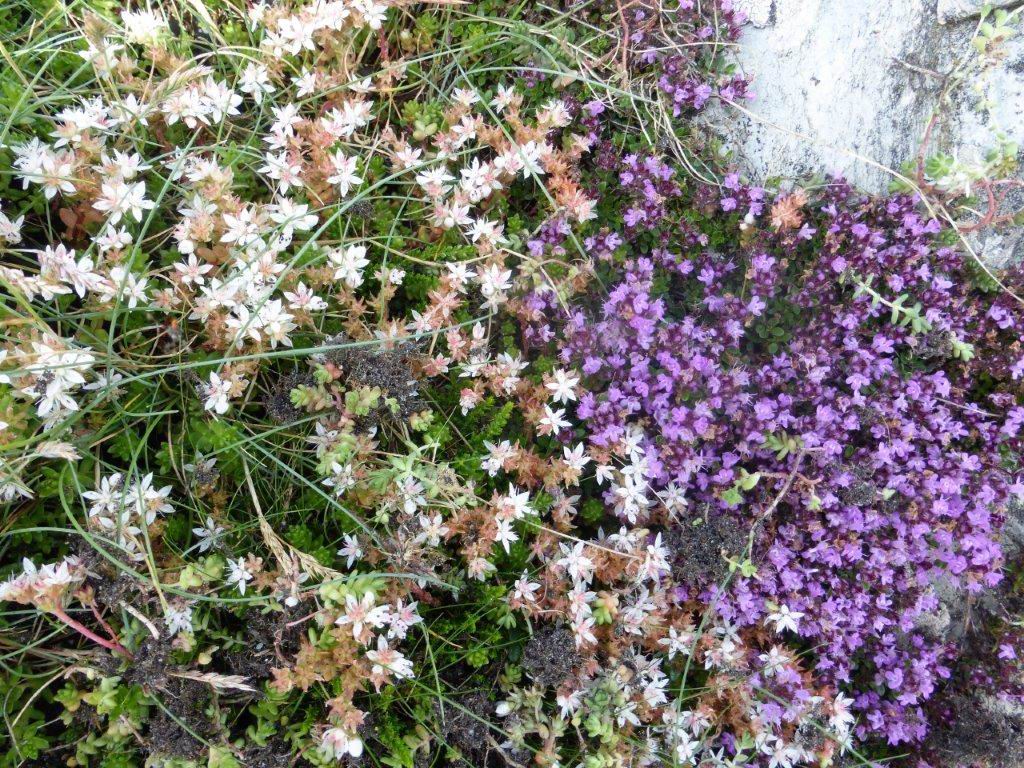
column 947, row 622
column 1013, row 531
column 849, row 86
column 999, row 249
column 958, row 10
column 758, row 12
column 982, row 732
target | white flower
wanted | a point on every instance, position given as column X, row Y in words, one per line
column 494, row 280
column 305, row 83
column 373, row 13
column 337, row 743
column 686, row 747
column 465, row 96
column 150, row 501
column 192, row 271
column 119, row 199
column 10, row 231
column 208, row 534
column 568, row 702
column 285, row 171
column 178, row 619
column 107, row 499
column 575, row 458
column 242, row 229
column 677, row 642
column 349, row 264
column 578, row 565
column 285, row 119
column 583, row 628
column 293, row 216
column 408, row 157
column 217, row 394
column 122, row 165
column 351, row 551
column 394, row 275
column 496, row 456
column 219, row 100
column 515, row 504
column 113, row 239
column 503, row 98
column 785, row 619
column 255, row 81
column 554, row 420
column 523, row 589
column 563, row 385
column 342, row 478
column 401, row 618
column 143, row 27
column 505, row 535
column 345, row 175
column 126, row 287
column 459, row 275
column 240, row 574
column 486, row 231
column 388, row 659
column 362, row 613
column 435, row 181
column 303, row 298
column 842, row 718
column 276, row 324
column 433, row 528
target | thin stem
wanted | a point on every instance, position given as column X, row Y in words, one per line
column 83, row 630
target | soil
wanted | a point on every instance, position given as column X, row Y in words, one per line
column 696, row 551
column 150, row 664
column 185, row 700
column 276, row 754
column 469, row 733
column 267, row 642
column 550, row 656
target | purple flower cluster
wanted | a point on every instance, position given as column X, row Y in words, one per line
column 881, row 445
column 650, row 183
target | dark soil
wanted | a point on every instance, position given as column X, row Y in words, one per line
column 469, row 733
column 550, row 656
column 267, row 642
column 389, row 369
column 697, row 552
column 276, row 754
column 169, row 729
column 279, row 401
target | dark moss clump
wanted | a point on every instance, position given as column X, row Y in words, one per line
column 698, row 548
column 550, row 656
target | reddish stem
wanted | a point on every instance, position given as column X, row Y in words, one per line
column 83, row 630
column 106, row 627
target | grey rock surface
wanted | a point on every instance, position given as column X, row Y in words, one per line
column 849, row 86
column 958, row 10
